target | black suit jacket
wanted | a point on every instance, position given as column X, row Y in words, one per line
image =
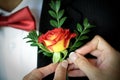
column 104, row 14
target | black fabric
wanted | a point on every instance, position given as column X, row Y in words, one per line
column 102, row 13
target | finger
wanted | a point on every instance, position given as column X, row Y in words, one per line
column 60, row 73
column 97, row 43
column 84, row 65
column 44, row 71
column 72, row 67
column 76, row 73
column 33, row 75
column 38, row 74
column 69, row 61
column 92, row 61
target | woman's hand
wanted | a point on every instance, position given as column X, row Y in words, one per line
column 105, row 67
column 59, row 69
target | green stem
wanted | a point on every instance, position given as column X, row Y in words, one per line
column 58, row 21
column 75, row 42
column 77, row 39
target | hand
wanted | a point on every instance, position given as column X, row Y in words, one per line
column 105, row 67
column 61, row 70
column 39, row 74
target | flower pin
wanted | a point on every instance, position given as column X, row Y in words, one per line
column 56, row 43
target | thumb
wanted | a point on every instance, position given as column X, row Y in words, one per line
column 84, row 65
column 60, row 73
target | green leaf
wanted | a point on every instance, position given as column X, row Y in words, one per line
column 33, row 35
column 62, row 21
column 53, row 23
column 60, row 14
column 73, row 49
column 56, row 57
column 45, row 53
column 77, row 33
column 91, row 26
column 33, row 38
column 52, row 5
column 48, row 54
column 57, row 5
column 39, row 34
column 85, row 32
column 85, row 22
column 34, row 44
column 30, row 41
column 40, row 51
column 78, row 44
column 79, row 27
column 42, row 47
column 57, row 14
column 52, row 13
column 83, row 37
column 87, row 26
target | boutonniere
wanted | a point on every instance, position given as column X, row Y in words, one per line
column 56, row 43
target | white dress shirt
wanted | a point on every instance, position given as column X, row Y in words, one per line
column 18, row 58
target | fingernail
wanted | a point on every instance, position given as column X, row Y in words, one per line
column 65, row 64
column 73, row 56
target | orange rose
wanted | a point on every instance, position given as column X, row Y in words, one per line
column 56, row 40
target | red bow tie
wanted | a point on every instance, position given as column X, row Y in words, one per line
column 21, row 19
